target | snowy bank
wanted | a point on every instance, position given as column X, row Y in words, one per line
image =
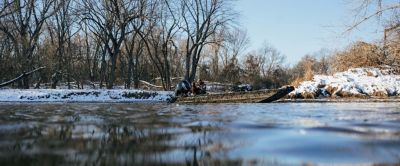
column 65, row 95
column 358, row 82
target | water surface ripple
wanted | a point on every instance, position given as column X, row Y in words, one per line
column 209, row 134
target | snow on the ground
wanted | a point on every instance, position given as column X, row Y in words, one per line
column 65, row 95
column 352, row 83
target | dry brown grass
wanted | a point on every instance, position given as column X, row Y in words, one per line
column 308, row 76
column 369, row 74
column 343, row 94
column 297, row 82
column 380, row 94
column 331, row 90
column 360, row 54
column 308, row 95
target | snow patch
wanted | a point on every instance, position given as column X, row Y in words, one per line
column 65, row 95
column 352, row 83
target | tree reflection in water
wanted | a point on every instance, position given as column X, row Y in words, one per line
column 207, row 134
column 98, row 134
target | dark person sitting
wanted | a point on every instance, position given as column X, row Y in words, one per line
column 202, row 87
column 183, row 88
column 198, row 88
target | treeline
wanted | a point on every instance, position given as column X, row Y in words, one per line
column 111, row 42
column 121, row 42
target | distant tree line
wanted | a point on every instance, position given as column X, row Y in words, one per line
column 121, row 42
column 111, row 42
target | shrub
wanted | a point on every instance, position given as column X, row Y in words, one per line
column 360, row 54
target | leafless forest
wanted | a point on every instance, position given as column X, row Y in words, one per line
column 123, row 42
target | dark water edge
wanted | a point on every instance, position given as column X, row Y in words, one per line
column 209, row 134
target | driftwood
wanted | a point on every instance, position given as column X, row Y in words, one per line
column 150, row 85
column 23, row 75
column 260, row 96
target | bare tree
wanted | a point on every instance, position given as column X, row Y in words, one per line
column 160, row 42
column 201, row 19
column 109, row 20
column 252, row 68
column 169, row 27
column 5, row 8
column 236, row 42
column 115, row 41
column 270, row 59
column 387, row 13
column 383, row 10
column 134, row 49
column 60, row 30
column 216, row 52
column 228, row 45
column 23, row 25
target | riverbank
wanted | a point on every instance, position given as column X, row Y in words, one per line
column 131, row 96
column 359, row 83
column 82, row 95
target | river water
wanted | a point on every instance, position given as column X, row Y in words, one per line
column 209, row 134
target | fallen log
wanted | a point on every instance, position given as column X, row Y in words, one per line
column 23, row 75
column 150, row 85
column 259, row 96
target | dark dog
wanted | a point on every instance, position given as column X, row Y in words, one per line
column 183, row 88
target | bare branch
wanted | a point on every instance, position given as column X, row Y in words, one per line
column 23, row 75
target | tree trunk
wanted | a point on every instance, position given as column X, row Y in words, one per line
column 112, row 72
column 95, row 65
column 195, row 62
column 55, row 78
column 215, row 63
column 122, row 68
column 167, row 74
column 136, row 71
column 103, row 68
column 114, row 57
column 193, row 73
column 129, row 72
column 187, row 67
column 27, row 55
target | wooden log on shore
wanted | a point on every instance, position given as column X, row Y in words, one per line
column 260, row 96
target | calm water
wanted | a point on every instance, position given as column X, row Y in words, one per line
column 211, row 134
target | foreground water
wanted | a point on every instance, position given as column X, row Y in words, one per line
column 211, row 134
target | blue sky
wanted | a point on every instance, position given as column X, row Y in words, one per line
column 299, row 27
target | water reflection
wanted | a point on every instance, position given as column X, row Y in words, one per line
column 104, row 135
column 221, row 134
